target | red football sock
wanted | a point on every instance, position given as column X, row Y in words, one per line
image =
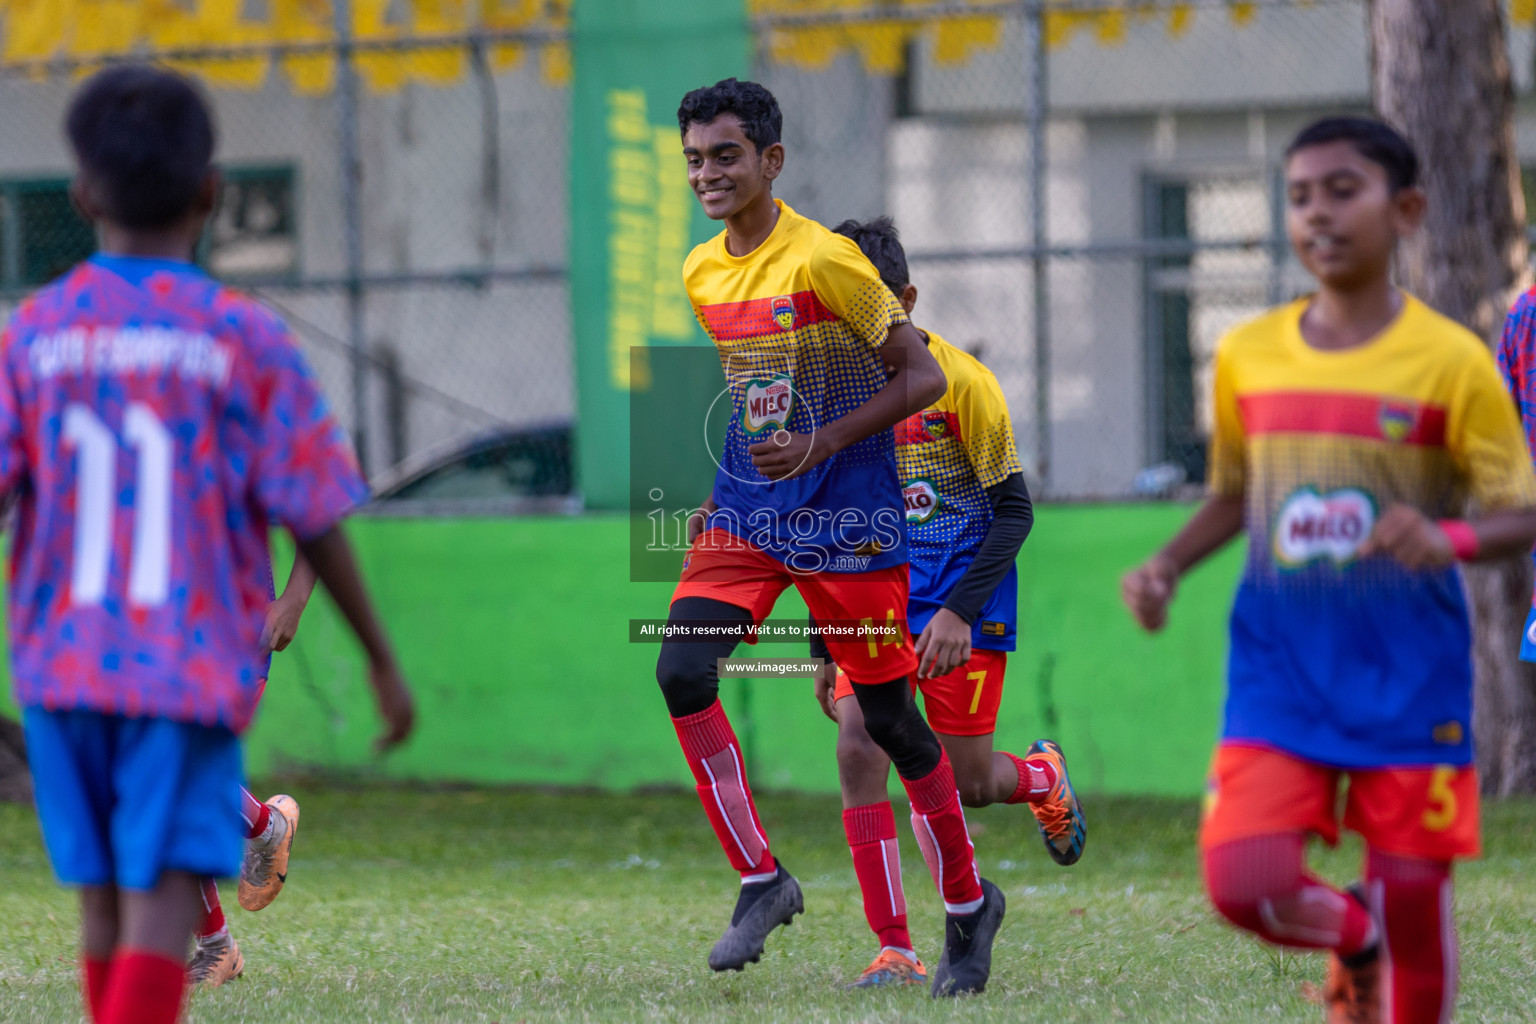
column 877, row 863
column 1419, row 956
column 145, row 988
column 940, row 826
column 1037, row 777
column 213, row 912
column 1261, row 885
column 94, row 975
column 714, row 755
column 255, row 813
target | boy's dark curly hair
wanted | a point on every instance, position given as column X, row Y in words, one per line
column 754, row 106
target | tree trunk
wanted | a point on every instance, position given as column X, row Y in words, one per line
column 1440, row 72
column 15, row 782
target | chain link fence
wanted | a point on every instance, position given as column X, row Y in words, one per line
column 411, row 232
column 1089, row 194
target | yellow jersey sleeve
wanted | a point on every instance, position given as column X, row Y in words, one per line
column 1484, row 436
column 986, row 430
column 1228, row 473
column 848, row 284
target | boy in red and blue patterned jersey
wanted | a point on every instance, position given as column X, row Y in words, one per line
column 1352, row 427
column 820, row 363
column 152, row 425
column 1517, row 365
column 968, row 513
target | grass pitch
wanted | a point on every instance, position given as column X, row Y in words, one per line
column 486, row 905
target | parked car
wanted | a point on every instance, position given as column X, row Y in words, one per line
column 506, row 471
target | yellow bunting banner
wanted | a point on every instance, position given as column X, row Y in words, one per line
column 35, row 31
column 881, row 45
column 875, row 31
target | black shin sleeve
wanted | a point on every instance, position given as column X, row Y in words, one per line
column 686, row 666
column 892, row 720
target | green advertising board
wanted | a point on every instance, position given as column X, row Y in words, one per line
column 633, row 218
column 514, row 633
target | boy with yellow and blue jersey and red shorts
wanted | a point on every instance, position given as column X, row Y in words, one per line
column 820, row 363
column 1351, row 428
column 153, row 423
column 968, row 513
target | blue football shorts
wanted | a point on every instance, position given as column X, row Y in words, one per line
column 122, row 800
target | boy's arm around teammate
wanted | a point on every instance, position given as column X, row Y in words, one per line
column 913, row 378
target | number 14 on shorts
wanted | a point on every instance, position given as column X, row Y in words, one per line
column 881, row 636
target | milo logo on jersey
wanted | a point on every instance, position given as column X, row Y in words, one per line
column 1313, row 526
column 767, row 403
column 922, row 501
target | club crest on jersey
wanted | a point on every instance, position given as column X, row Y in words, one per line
column 921, row 499
column 767, row 403
column 783, row 308
column 937, row 424
column 1313, row 526
column 1396, row 420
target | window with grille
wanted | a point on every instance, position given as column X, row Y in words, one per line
column 41, row 235
column 1219, row 263
column 252, row 235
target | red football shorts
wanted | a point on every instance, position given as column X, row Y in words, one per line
column 1429, row 812
column 963, row 701
column 724, row 567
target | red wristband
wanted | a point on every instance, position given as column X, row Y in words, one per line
column 1462, row 537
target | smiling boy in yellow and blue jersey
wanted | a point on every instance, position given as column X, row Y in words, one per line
column 1351, row 428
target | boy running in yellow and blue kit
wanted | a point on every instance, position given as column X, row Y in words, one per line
column 1351, row 428
column 821, row 363
column 967, row 514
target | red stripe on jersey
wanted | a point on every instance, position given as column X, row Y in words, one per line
column 757, row 318
column 928, row 425
column 1401, row 421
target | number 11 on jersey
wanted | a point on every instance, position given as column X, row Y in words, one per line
column 149, row 567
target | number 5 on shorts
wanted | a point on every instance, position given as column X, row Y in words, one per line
column 1441, row 812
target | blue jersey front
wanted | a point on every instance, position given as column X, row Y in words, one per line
column 1338, row 655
